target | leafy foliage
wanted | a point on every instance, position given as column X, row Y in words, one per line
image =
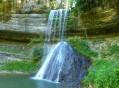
column 87, row 5
column 103, row 73
column 82, row 47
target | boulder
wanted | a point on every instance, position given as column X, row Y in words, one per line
column 63, row 64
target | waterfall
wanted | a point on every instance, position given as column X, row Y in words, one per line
column 56, row 26
column 47, row 71
column 56, row 30
column 62, row 63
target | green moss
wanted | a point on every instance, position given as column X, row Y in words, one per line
column 21, row 66
column 82, row 47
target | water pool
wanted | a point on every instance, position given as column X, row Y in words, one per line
column 25, row 81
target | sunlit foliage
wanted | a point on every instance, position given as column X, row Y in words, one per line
column 87, row 5
column 103, row 74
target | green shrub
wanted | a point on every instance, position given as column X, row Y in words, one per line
column 103, row 74
column 82, row 47
column 37, row 53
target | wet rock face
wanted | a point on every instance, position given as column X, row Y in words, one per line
column 74, row 67
column 63, row 64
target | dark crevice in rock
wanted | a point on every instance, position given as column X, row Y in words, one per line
column 17, row 36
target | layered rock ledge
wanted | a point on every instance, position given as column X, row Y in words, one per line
column 23, row 27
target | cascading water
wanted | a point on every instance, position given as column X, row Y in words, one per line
column 56, row 30
column 62, row 64
column 56, row 27
column 56, row 23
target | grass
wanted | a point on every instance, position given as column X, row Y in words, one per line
column 21, row 66
column 13, row 51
